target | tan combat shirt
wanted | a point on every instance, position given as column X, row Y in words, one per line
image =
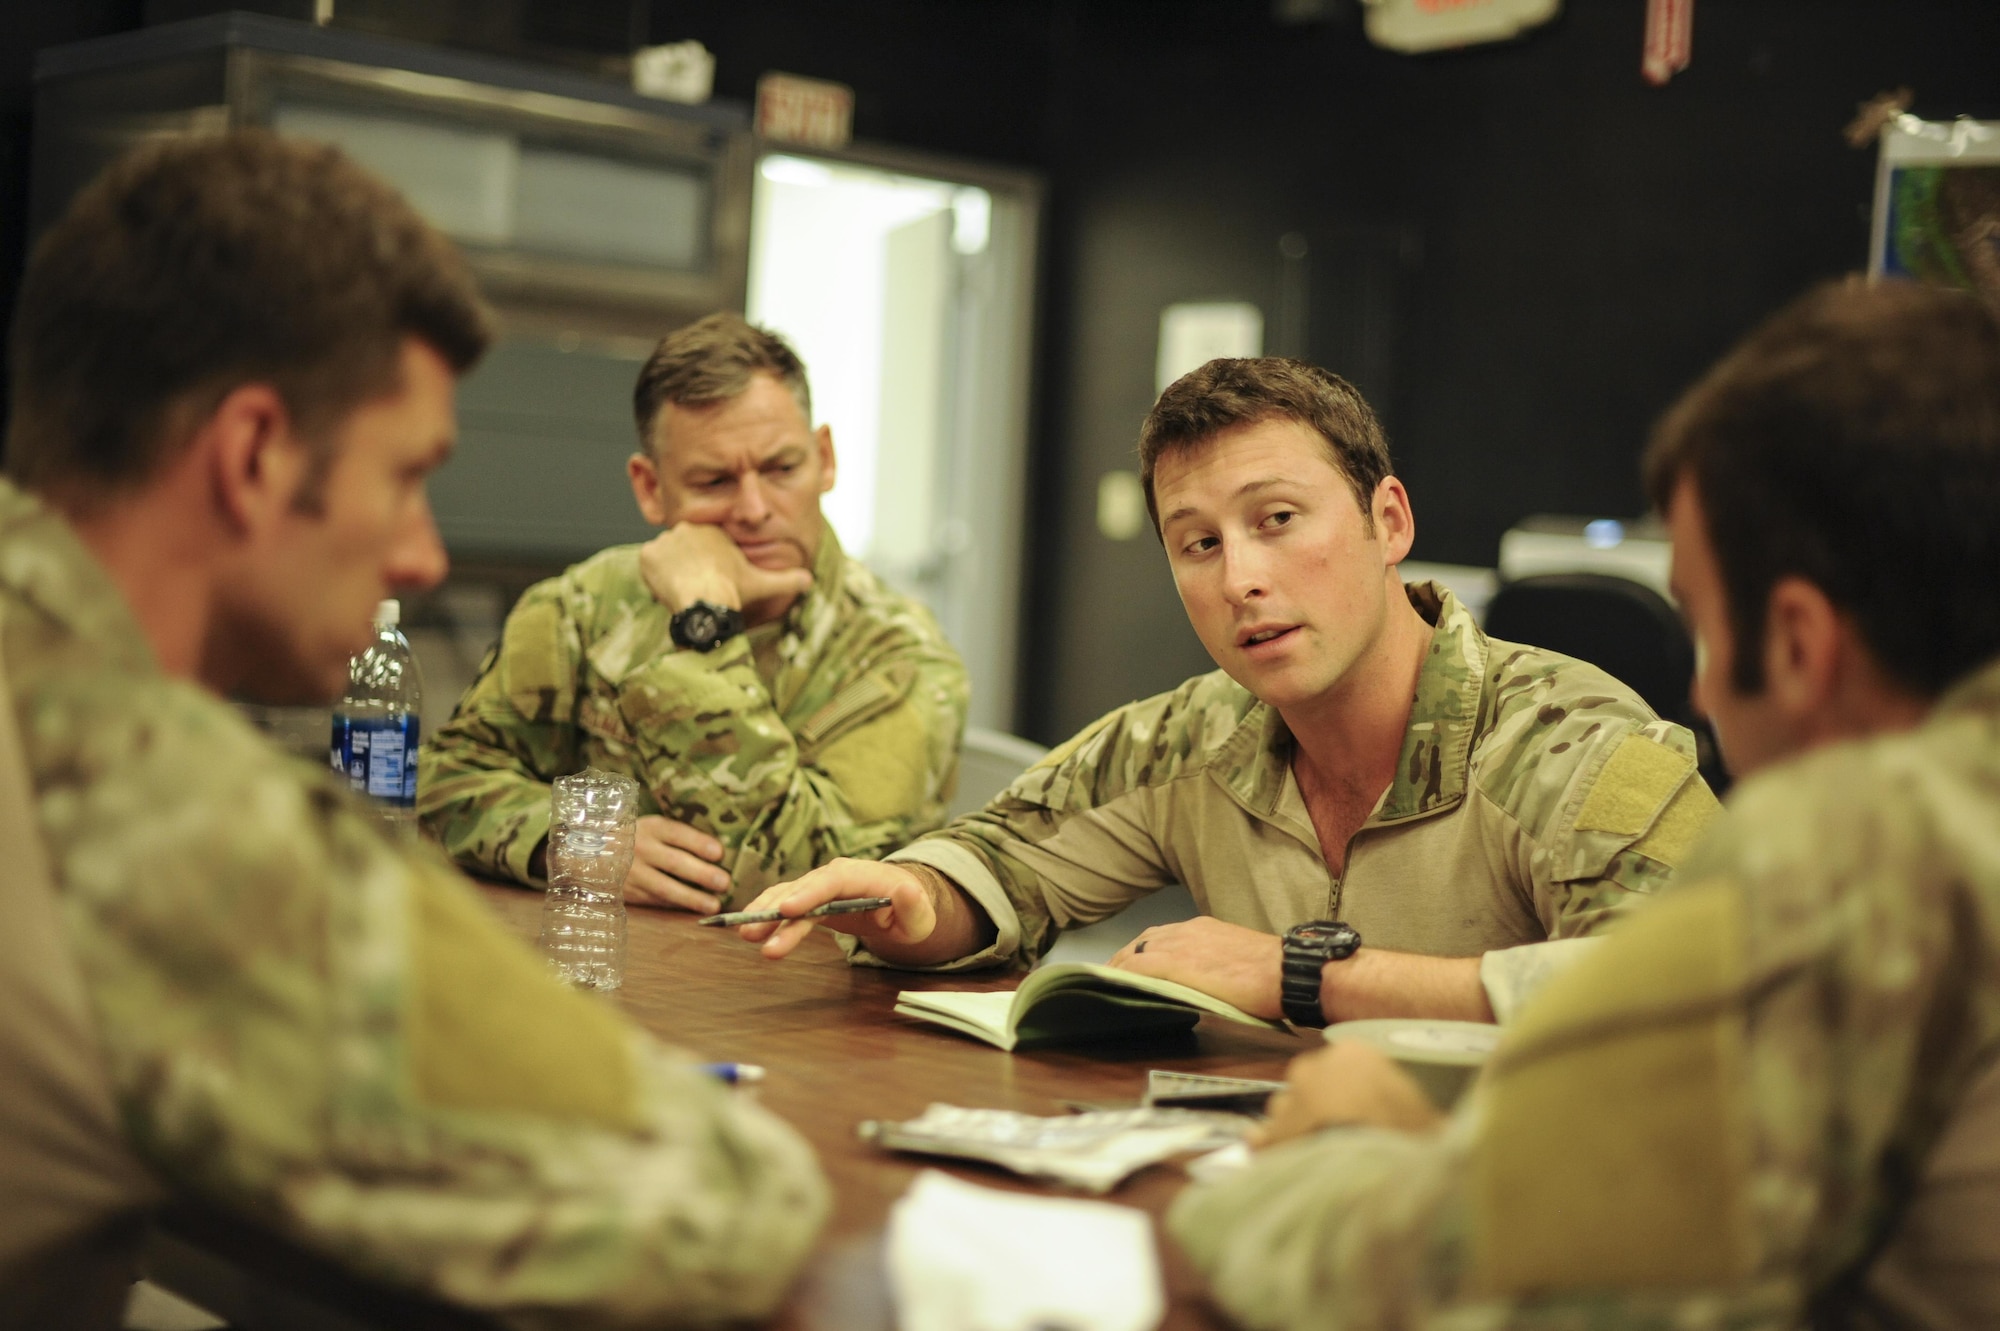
column 1535, row 797
column 1766, row 1100
column 833, row 731
column 328, row 1033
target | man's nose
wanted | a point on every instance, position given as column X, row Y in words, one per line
column 417, row 559
column 1242, row 572
column 752, row 505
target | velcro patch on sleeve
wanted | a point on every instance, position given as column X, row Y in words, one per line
column 881, row 767
column 490, row 1029
column 1637, row 780
column 1613, row 1152
column 1680, row 825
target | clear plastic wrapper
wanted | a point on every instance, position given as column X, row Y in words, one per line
column 1094, row 1151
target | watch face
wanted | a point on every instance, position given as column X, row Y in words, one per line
column 1336, row 938
column 700, row 625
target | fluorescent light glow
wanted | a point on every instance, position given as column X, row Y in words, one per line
column 971, row 220
column 781, row 170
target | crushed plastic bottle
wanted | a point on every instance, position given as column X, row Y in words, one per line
column 592, row 824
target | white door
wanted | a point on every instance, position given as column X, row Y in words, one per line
column 907, row 288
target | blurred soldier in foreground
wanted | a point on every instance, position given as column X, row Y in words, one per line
column 1380, row 810
column 232, row 371
column 1771, row 1097
column 777, row 704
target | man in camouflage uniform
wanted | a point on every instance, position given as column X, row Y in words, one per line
column 233, row 369
column 830, row 728
column 1771, row 1097
column 1365, row 754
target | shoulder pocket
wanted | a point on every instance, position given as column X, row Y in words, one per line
column 537, row 674
column 862, row 701
column 1646, row 798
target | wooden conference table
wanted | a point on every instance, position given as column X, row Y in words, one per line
column 836, row 1054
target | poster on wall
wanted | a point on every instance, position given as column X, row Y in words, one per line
column 1937, row 203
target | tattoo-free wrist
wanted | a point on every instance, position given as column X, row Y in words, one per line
column 936, row 886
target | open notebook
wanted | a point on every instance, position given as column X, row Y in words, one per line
column 1072, row 1003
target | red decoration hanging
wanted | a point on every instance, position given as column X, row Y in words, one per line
column 1669, row 39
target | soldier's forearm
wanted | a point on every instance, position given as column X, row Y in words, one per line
column 1375, row 982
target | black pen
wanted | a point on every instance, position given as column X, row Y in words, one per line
column 730, row 919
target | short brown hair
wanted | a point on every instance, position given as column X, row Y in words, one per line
column 711, row 360
column 1224, row 394
column 194, row 265
column 1854, row 441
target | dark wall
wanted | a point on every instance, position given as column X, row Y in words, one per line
column 1556, row 247
column 26, row 26
column 1583, row 244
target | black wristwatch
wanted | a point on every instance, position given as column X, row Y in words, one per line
column 705, row 626
column 1308, row 947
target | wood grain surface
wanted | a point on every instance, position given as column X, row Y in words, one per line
column 836, row 1054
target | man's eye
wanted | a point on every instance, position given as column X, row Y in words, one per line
column 1280, row 518
column 1199, row 545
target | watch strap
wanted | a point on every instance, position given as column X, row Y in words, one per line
column 1299, row 984
column 1306, row 950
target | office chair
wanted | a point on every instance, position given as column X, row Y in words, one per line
column 1622, row 627
column 988, row 762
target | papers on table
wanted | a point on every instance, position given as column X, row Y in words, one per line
column 966, row 1258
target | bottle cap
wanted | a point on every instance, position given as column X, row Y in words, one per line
column 388, row 614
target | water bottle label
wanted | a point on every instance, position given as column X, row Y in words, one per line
column 378, row 757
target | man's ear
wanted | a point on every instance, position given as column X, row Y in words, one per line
column 255, row 462
column 644, row 474
column 1803, row 642
column 1395, row 521
column 823, row 440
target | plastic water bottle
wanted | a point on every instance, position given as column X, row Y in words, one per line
column 376, row 724
column 594, row 816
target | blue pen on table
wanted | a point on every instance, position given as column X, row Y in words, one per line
column 736, row 1074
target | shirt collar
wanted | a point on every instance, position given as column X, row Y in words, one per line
column 1432, row 769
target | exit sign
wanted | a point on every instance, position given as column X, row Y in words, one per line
column 810, row 112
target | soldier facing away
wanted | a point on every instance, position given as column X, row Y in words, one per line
column 1369, row 797
column 1771, row 1098
column 233, row 368
column 778, row 705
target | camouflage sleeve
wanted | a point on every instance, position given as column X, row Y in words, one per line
column 333, row 1036
column 1070, row 842
column 1599, row 1160
column 483, row 779
column 1711, row 1118
column 1349, row 1228
column 867, row 772
column 1607, row 802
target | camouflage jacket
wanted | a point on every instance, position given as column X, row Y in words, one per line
column 1718, row 1117
column 330, row 1034
column 1535, row 796
column 833, row 731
